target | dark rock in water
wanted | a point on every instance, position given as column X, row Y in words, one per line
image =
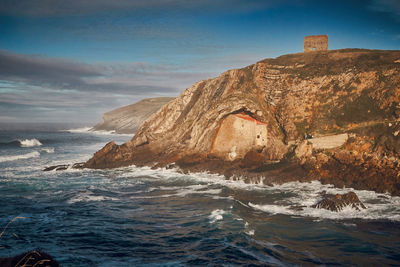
column 57, row 168
column 64, row 167
column 338, row 202
column 30, row 258
column 79, row 165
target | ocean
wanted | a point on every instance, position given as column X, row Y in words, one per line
column 138, row 216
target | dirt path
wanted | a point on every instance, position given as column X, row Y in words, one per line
column 330, row 141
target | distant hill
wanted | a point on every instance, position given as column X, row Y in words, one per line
column 127, row 119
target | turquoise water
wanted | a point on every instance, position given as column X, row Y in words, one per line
column 142, row 217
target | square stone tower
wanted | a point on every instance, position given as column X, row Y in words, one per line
column 316, row 43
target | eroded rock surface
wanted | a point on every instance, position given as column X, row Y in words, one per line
column 339, row 201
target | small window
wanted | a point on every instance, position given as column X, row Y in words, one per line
column 314, row 48
column 258, row 136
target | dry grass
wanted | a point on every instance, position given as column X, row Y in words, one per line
column 5, row 228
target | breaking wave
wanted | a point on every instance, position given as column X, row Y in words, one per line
column 33, row 154
column 304, row 195
column 29, row 142
column 292, row 199
column 22, row 143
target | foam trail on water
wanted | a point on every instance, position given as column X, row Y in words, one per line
column 78, row 130
column 33, row 154
column 301, row 196
column 48, row 150
column 89, row 130
column 216, row 215
column 29, row 142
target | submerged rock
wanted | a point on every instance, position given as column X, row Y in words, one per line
column 339, row 201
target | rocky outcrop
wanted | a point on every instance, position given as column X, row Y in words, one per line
column 127, row 119
column 270, row 107
column 362, row 163
column 339, row 201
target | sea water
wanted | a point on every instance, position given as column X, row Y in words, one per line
column 138, row 216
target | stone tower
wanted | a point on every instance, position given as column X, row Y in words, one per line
column 316, row 43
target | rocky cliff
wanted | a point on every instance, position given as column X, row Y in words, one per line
column 253, row 121
column 127, row 119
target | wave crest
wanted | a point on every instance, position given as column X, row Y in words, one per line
column 29, row 142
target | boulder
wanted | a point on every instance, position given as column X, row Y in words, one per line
column 339, row 201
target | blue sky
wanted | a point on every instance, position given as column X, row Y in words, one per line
column 74, row 60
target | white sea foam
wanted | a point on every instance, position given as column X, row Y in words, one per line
column 33, row 154
column 216, row 215
column 249, row 232
column 48, row 150
column 102, row 132
column 88, row 196
column 78, row 130
column 90, row 130
column 29, row 142
column 379, row 206
column 182, row 191
column 300, row 196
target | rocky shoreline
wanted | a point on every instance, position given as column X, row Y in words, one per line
column 331, row 116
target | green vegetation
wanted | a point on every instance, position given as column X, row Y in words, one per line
column 382, row 137
column 302, row 127
column 364, row 108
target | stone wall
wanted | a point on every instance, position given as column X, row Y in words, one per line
column 237, row 135
column 316, row 43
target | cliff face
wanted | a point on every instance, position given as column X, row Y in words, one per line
column 270, row 106
column 127, row 119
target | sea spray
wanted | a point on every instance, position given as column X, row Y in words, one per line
column 29, row 142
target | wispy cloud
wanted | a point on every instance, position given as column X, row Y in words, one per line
column 35, row 85
column 62, row 74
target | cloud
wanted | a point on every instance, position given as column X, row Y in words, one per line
column 84, row 7
column 62, row 74
column 41, row 70
column 44, row 88
column 387, row 6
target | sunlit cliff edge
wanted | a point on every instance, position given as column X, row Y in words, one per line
column 332, row 116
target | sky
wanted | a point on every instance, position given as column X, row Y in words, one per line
column 71, row 61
